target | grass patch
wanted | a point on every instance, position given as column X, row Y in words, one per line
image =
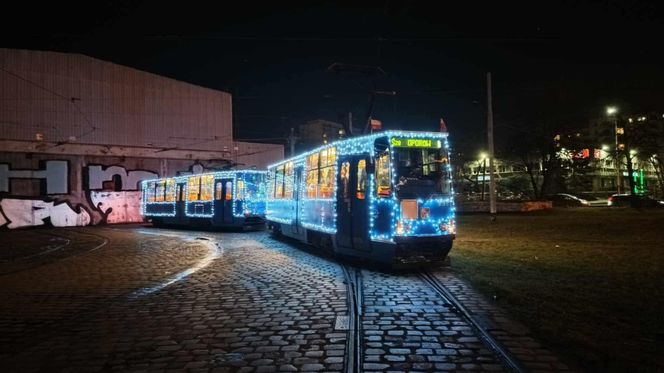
column 589, row 282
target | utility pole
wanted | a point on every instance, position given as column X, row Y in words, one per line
column 617, row 157
column 483, row 177
column 613, row 111
column 489, row 125
column 291, row 141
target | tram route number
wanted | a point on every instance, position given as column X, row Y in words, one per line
column 414, row 143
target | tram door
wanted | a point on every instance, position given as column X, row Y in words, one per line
column 180, row 202
column 228, row 201
column 223, row 201
column 360, row 205
column 344, row 208
column 352, row 208
column 297, row 176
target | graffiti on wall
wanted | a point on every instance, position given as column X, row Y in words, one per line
column 29, row 212
column 55, row 173
column 3, row 220
column 95, row 206
column 118, row 207
column 97, row 175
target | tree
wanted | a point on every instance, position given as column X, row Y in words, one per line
column 536, row 153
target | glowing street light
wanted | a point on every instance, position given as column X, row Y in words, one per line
column 612, row 111
column 605, row 147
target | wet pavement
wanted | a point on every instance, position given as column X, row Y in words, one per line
column 135, row 298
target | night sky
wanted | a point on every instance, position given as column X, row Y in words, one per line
column 560, row 63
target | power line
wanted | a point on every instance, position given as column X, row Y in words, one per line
column 71, row 100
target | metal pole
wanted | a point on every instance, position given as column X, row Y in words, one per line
column 291, row 140
column 617, row 156
column 483, row 177
column 489, row 124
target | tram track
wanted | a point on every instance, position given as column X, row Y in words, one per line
column 501, row 352
column 354, row 350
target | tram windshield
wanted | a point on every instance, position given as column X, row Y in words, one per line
column 421, row 172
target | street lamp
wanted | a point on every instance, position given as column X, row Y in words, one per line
column 612, row 111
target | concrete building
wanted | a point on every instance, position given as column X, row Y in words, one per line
column 78, row 134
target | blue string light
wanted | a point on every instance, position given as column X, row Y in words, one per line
column 320, row 214
column 252, row 201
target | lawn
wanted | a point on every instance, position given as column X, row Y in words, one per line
column 589, row 282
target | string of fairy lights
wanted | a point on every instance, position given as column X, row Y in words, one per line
column 247, row 200
column 254, row 193
column 320, row 214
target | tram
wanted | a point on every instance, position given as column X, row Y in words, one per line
column 230, row 199
column 385, row 197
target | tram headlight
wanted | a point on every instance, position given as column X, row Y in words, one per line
column 450, row 227
column 399, row 228
column 403, row 228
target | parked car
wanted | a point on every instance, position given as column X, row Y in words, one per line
column 619, row 200
column 566, row 200
column 593, row 200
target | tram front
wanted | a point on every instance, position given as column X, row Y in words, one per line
column 414, row 205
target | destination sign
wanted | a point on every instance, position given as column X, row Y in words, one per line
column 401, row 142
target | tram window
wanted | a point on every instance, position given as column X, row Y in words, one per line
column 179, row 193
column 193, row 188
column 149, row 192
column 361, row 178
column 159, row 194
column 279, row 187
column 170, row 190
column 326, row 178
column 383, row 182
column 288, row 180
column 229, row 191
column 217, row 191
column 326, row 183
column 239, row 193
column 312, row 175
column 345, row 176
column 207, row 186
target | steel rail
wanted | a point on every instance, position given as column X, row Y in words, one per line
column 506, row 358
column 353, row 279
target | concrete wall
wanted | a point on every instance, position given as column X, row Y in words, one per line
column 70, row 124
column 67, row 190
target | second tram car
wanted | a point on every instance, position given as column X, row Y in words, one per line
column 232, row 199
column 386, row 196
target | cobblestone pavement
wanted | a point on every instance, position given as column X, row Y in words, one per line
column 254, row 308
column 148, row 299
column 514, row 336
column 408, row 327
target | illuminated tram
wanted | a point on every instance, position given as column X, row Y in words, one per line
column 386, row 196
column 232, row 199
